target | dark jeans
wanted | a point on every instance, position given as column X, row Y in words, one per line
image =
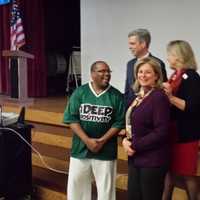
column 146, row 183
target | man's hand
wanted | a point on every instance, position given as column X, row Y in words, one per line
column 122, row 132
column 94, row 144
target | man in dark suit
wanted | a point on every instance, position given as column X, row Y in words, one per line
column 139, row 41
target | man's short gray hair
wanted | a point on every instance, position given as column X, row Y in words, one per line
column 142, row 34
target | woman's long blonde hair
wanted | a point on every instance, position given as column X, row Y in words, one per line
column 184, row 53
column 156, row 68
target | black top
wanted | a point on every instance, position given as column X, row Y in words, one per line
column 188, row 121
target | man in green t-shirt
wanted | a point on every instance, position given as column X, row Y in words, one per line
column 96, row 114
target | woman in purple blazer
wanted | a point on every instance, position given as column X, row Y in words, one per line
column 146, row 141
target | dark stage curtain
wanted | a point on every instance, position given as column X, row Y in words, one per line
column 4, row 44
column 34, row 26
column 33, row 20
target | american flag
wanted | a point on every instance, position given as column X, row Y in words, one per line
column 17, row 36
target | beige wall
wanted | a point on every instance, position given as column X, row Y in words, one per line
column 106, row 23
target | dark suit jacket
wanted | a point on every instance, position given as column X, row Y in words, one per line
column 130, row 79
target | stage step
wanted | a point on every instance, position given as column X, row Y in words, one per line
column 44, row 193
column 49, row 178
column 50, row 185
column 54, row 143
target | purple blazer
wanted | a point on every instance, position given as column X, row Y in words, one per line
column 150, row 123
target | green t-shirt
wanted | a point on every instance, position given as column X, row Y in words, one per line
column 96, row 115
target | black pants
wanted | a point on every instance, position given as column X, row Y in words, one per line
column 146, row 183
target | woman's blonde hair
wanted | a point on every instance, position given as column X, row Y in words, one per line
column 156, row 68
column 184, row 53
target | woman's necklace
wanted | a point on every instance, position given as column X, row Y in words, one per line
column 136, row 102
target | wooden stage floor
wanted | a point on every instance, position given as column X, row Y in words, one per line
column 52, row 104
column 45, row 110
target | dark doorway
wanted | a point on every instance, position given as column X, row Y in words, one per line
column 62, row 33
